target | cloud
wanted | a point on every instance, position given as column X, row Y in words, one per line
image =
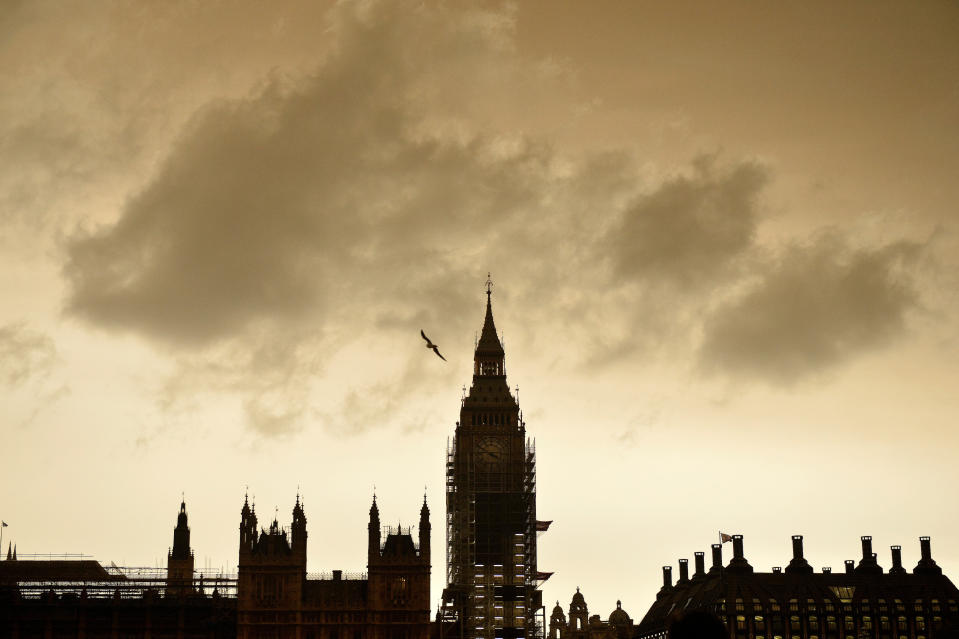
column 691, row 229
column 819, row 305
column 286, row 226
column 266, row 207
column 24, row 354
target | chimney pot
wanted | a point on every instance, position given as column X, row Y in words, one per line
column 777, row 570
column 896, row 560
column 700, row 559
column 667, row 576
column 826, row 570
column 925, row 548
column 683, row 570
column 737, row 546
column 866, row 547
column 850, row 566
column 717, row 558
column 797, row 547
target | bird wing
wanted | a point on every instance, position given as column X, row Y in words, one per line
column 425, row 337
column 437, row 351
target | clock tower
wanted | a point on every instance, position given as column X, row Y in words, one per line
column 491, row 506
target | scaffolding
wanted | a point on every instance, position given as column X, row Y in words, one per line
column 125, row 582
column 491, row 528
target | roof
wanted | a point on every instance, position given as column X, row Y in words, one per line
column 713, row 589
column 54, row 570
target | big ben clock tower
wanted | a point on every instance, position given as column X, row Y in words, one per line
column 491, row 506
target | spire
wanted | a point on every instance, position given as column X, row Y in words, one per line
column 425, row 530
column 181, row 535
column 298, row 529
column 9, row 550
column 373, row 540
column 489, row 354
column 14, row 552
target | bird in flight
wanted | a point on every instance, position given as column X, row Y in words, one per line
column 432, row 346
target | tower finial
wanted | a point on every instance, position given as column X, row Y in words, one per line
column 489, row 285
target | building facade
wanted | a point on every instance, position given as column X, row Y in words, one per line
column 581, row 625
column 491, row 522
column 272, row 596
column 861, row 602
column 277, row 600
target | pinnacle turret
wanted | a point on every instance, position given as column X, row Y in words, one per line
column 489, row 351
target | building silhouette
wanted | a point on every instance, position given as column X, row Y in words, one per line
column 276, row 598
column 179, row 571
column 582, row 625
column 272, row 596
column 492, row 574
column 862, row 602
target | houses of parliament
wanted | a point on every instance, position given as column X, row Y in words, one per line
column 493, row 583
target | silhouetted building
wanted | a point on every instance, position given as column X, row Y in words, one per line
column 492, row 575
column 581, row 625
column 179, row 563
column 56, row 598
column 276, row 599
column 272, row 596
column 862, row 602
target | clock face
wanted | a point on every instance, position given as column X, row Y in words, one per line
column 490, row 452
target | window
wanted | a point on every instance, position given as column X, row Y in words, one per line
column 740, row 622
column 843, row 592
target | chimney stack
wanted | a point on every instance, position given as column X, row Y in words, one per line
column 868, row 564
column 850, row 566
column 826, row 570
column 798, row 564
column 683, row 572
column 667, row 582
column 926, row 565
column 700, row 560
column 777, row 570
column 738, row 563
column 897, row 568
column 717, row 559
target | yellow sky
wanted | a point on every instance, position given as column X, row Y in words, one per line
column 722, row 239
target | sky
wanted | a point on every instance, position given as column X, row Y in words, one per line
column 722, row 237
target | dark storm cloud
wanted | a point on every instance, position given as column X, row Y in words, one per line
column 24, row 354
column 691, row 229
column 317, row 209
column 265, row 205
column 821, row 304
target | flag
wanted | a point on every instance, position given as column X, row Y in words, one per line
column 4, row 523
column 723, row 537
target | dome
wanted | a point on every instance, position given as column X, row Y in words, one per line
column 578, row 598
column 558, row 610
column 619, row 617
